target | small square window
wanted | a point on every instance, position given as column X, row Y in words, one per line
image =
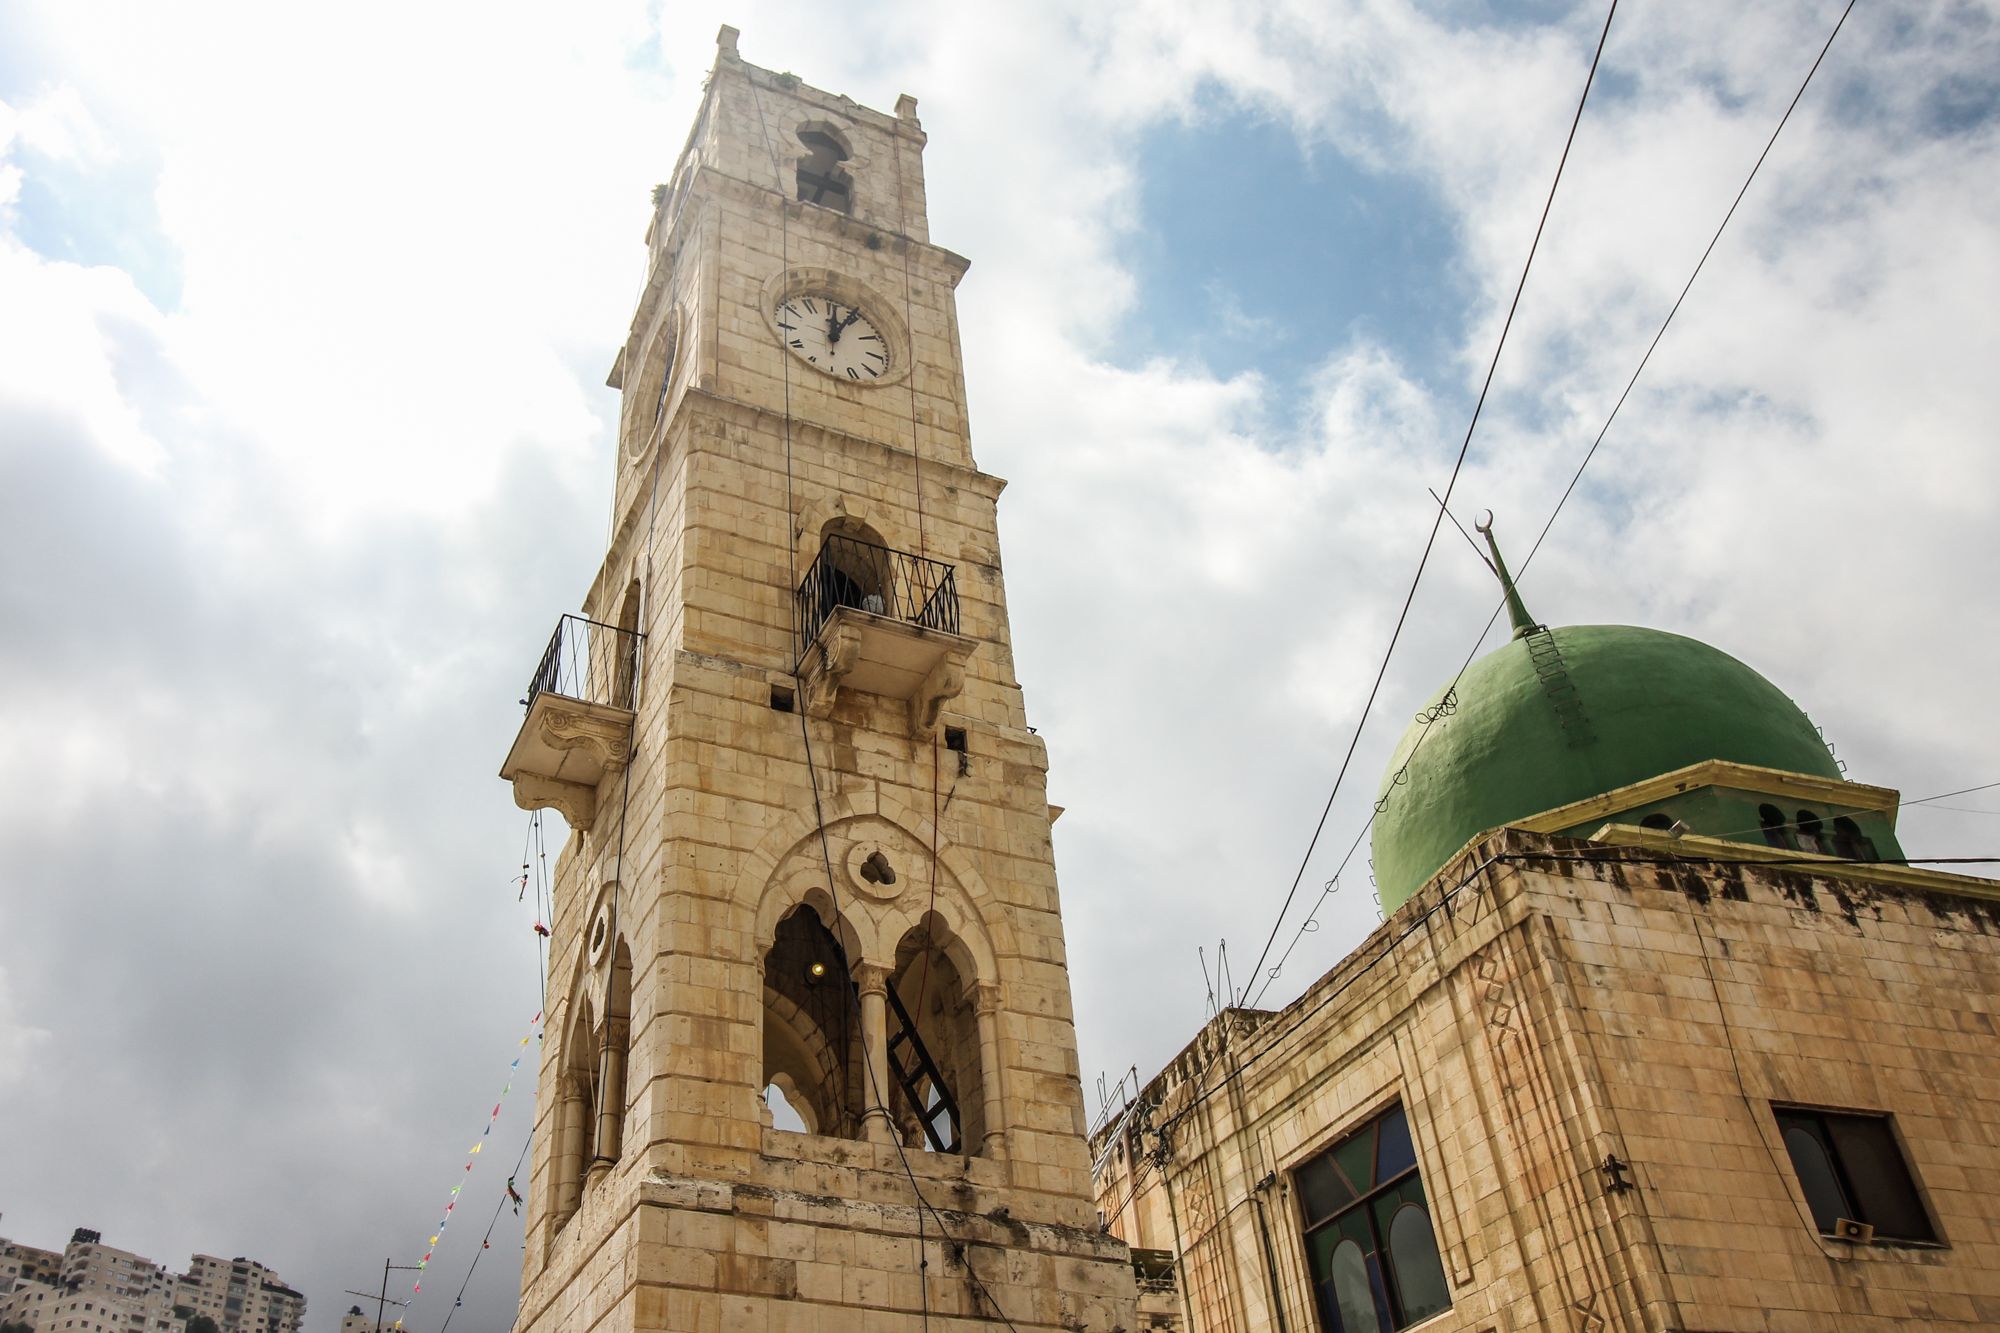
column 1851, row 1168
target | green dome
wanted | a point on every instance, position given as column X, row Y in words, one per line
column 1614, row 705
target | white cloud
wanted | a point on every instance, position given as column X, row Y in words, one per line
column 21, row 1042
column 281, row 549
column 61, row 345
column 55, row 124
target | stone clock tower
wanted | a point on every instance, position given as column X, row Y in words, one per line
column 810, row 861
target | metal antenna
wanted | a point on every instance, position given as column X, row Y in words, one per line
column 381, row 1298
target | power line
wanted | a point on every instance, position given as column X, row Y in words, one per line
column 1618, row 855
column 1445, row 500
column 1686, row 287
column 1310, row 923
column 1563, row 500
column 485, row 1241
column 1962, row 791
column 812, row 772
column 1623, row 855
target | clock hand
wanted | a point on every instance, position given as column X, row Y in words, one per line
column 852, row 315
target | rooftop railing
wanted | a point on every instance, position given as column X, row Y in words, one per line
column 864, row 576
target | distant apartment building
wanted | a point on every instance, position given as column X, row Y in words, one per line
column 240, row 1295
column 354, row 1321
column 25, row 1263
column 91, row 1287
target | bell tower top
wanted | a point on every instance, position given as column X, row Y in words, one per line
column 790, row 271
column 770, row 129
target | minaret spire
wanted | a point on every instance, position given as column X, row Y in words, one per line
column 1517, row 611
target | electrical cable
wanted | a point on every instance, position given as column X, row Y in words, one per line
column 485, row 1241
column 1608, row 855
column 1145, row 1164
column 1444, row 900
column 1568, row 490
column 527, row 848
column 812, row 771
column 1436, row 523
column 868, row 1068
column 1311, row 924
column 1833, row 812
column 1686, row 288
column 930, row 908
column 1962, row 791
column 1623, row 854
column 910, row 331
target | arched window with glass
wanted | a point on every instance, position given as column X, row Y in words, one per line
column 1368, row 1234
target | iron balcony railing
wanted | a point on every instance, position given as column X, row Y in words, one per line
column 879, row 581
column 589, row 661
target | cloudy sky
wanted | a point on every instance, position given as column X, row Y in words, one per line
column 304, row 321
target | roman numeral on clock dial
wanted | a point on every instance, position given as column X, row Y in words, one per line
column 834, row 337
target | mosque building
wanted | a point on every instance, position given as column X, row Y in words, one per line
column 1659, row 1032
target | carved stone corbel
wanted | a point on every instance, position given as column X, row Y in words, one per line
column 576, row 803
column 840, row 651
column 943, row 684
column 608, row 741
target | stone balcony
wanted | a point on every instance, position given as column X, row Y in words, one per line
column 884, row 622
column 578, row 729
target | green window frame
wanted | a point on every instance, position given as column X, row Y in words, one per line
column 1367, row 1229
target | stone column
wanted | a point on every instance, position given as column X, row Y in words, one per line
column 570, row 1112
column 609, row 1129
column 872, row 980
column 986, row 1002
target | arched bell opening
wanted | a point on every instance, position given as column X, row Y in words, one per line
column 822, row 179
column 855, row 568
column 785, row 1107
column 576, row 1113
column 935, row 1055
column 625, row 650
column 613, row 1057
column 812, row 1041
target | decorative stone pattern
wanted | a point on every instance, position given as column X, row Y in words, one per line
column 683, row 1208
column 1536, row 1014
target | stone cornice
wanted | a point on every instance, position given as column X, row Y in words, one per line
column 735, row 409
column 1834, row 793
column 713, row 180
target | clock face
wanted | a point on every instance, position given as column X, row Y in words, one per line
column 833, row 337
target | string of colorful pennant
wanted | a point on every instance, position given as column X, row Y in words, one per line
column 472, row 1156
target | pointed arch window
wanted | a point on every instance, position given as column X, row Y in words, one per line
column 576, row 1113
column 935, row 1050
column 613, row 1059
column 812, row 1039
